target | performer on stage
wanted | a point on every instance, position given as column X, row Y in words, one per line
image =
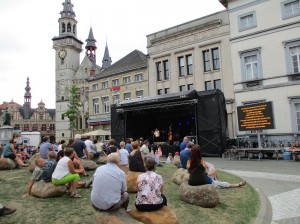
column 156, row 135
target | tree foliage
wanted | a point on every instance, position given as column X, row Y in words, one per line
column 73, row 111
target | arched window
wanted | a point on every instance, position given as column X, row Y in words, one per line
column 63, row 28
column 69, row 27
column 74, row 28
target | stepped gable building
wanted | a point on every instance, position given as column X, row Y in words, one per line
column 25, row 118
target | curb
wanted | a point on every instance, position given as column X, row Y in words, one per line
column 265, row 212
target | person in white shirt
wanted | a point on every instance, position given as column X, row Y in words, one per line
column 90, row 147
column 123, row 154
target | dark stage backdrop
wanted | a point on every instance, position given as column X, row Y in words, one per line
column 190, row 113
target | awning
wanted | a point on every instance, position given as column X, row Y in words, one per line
column 96, row 133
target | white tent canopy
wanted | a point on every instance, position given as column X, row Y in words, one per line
column 96, row 133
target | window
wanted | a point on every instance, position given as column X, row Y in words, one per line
column 95, row 87
column 190, row 86
column 251, row 65
column 35, row 127
column 139, row 77
column 247, row 21
column 85, row 71
column 181, row 66
column 216, row 59
column 159, row 71
column 208, row 85
column 106, row 105
column 116, row 98
column 159, row 92
column 189, row 62
column 62, row 134
column 105, row 85
column 52, row 127
column 167, row 90
column 44, row 127
column 297, row 106
column 290, row 8
column 62, row 116
column 166, row 70
column 139, row 93
column 292, row 52
column 217, row 84
column 127, row 96
column 96, row 106
column 26, row 127
column 181, row 88
column 62, row 98
column 206, row 60
column 17, row 127
column 126, row 80
column 115, row 82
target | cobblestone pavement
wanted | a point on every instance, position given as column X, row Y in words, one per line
column 277, row 182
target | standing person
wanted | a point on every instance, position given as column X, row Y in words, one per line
column 184, row 143
column 45, row 148
column 198, row 174
column 185, row 154
column 80, row 147
column 150, row 189
column 110, row 195
column 99, row 145
column 136, row 158
column 123, row 154
column 65, row 173
column 111, row 147
column 10, row 152
column 128, row 145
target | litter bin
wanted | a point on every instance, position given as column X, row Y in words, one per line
column 286, row 156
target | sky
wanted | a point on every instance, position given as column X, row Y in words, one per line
column 27, row 28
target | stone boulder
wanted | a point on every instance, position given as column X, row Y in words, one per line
column 42, row 189
column 180, row 176
column 204, row 195
column 102, row 160
column 118, row 217
column 131, row 178
column 31, row 162
column 89, row 165
column 165, row 215
column 7, row 164
column 124, row 168
column 177, row 163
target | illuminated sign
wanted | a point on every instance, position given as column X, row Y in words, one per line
column 255, row 116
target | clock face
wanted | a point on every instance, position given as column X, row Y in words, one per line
column 62, row 53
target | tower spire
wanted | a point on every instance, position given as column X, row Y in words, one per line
column 106, row 62
column 91, row 46
column 67, row 22
column 27, row 100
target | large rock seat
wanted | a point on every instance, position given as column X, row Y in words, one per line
column 125, row 168
column 89, row 164
column 7, row 164
column 118, row 217
column 131, row 178
column 102, row 160
column 180, row 176
column 165, row 215
column 42, row 189
column 204, row 195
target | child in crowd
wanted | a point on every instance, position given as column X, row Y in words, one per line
column 36, row 175
column 170, row 158
column 176, row 160
column 49, row 167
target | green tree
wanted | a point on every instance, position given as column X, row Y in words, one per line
column 73, row 111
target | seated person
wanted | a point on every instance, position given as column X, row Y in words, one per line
column 198, row 174
column 123, row 154
column 36, row 175
column 49, row 167
column 10, row 152
column 150, row 188
column 136, row 158
column 110, row 195
column 170, row 158
column 65, row 173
